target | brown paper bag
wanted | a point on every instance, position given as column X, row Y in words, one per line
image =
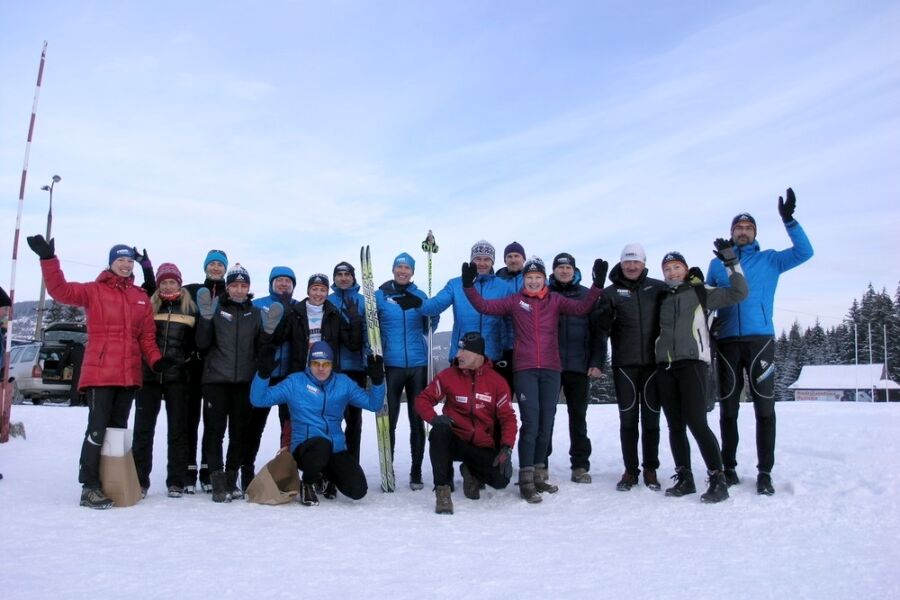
column 118, row 475
column 278, row 482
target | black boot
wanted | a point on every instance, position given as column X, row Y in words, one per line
column 684, row 483
column 764, row 485
column 308, row 495
column 231, row 481
column 718, row 488
column 731, row 477
column 471, row 484
column 220, row 491
column 628, row 481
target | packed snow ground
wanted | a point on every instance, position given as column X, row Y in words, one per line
column 830, row 531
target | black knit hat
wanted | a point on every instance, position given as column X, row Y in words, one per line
column 237, row 274
column 743, row 217
column 473, row 342
column 674, row 256
column 564, row 258
column 534, row 265
column 344, row 267
column 318, row 279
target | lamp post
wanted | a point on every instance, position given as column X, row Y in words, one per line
column 40, row 311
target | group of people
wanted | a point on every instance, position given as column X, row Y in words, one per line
column 517, row 335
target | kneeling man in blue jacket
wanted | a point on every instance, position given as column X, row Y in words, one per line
column 317, row 398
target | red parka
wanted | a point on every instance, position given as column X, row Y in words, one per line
column 477, row 400
column 120, row 325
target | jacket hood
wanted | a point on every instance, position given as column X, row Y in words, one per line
column 110, row 278
column 281, row 272
column 557, row 286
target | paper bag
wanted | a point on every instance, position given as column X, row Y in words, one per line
column 277, row 483
column 118, row 476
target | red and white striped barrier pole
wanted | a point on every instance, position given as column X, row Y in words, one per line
column 5, row 387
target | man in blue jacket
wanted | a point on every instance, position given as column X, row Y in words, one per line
column 746, row 338
column 317, row 398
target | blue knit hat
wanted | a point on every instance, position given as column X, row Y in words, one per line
column 281, row 272
column 120, row 251
column 321, row 350
column 218, row 255
column 405, row 259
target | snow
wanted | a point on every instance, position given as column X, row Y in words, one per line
column 830, row 531
column 842, row 377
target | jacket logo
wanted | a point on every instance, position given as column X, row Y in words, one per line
column 141, row 302
column 764, row 364
column 525, row 305
column 626, row 293
column 461, row 399
column 310, row 387
column 226, row 315
column 483, row 397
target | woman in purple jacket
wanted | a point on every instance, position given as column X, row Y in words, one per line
column 535, row 314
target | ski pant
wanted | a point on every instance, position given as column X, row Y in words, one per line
column 682, row 389
column 227, row 406
column 537, row 391
column 756, row 358
column 444, row 448
column 413, row 380
column 256, row 425
column 146, row 411
column 108, row 406
column 353, row 417
column 575, row 386
column 504, row 366
column 315, row 459
column 194, row 412
column 638, row 400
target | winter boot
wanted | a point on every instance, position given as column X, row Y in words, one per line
column 206, row 479
column 580, row 475
column 526, row 486
column 764, row 485
column 231, row 481
column 175, row 491
column 95, row 498
column 144, row 491
column 628, row 481
column 684, row 483
column 718, row 489
column 220, row 491
column 471, row 484
column 541, row 475
column 731, row 477
column 415, row 479
column 330, row 490
column 650, row 480
column 308, row 495
column 443, row 503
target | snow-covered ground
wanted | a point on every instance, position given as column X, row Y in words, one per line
column 830, row 531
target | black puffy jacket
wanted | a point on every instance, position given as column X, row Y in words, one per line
column 580, row 345
column 175, row 338
column 631, row 317
column 230, row 342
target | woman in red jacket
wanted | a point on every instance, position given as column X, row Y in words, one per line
column 120, row 331
column 535, row 314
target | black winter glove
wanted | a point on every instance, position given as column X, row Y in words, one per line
column 408, row 301
column 39, row 246
column 351, row 308
column 504, row 461
column 164, row 363
column 469, row 273
column 725, row 251
column 786, row 209
column 601, row 267
column 441, row 421
column 695, row 275
column 375, row 369
column 142, row 259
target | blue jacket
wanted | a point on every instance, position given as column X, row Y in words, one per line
column 317, row 407
column 753, row 316
column 402, row 332
column 283, row 352
column 466, row 318
column 351, row 360
column 509, row 334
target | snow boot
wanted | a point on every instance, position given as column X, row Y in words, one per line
column 95, row 498
column 471, row 484
column 443, row 503
column 718, row 489
column 541, row 475
column 415, row 479
column 330, row 492
column 231, row 481
column 220, row 491
column 684, row 483
column 580, row 475
column 764, row 485
column 650, row 480
column 308, row 495
column 628, row 481
column 175, row 491
column 526, row 486
column 731, row 477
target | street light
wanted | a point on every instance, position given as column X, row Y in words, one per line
column 40, row 312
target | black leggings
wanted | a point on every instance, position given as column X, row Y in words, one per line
column 147, row 405
column 107, row 407
column 413, row 380
column 682, row 391
column 315, row 458
column 638, row 400
column 444, row 448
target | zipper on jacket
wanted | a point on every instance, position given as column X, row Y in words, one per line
column 537, row 332
column 237, row 337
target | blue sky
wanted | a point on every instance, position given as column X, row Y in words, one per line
column 293, row 132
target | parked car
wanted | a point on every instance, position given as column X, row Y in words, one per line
column 28, row 384
column 62, row 353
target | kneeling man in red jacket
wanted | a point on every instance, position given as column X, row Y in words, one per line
column 477, row 425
